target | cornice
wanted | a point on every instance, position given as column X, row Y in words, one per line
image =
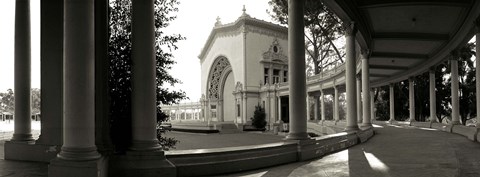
column 243, row 24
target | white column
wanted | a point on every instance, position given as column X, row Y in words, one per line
column 22, row 128
column 433, row 101
column 392, row 103
column 322, row 105
column 279, row 104
column 350, row 70
column 336, row 116
column 411, row 98
column 315, row 108
column 308, row 107
column 372, row 105
column 143, row 77
column 79, row 82
column 454, row 79
column 359, row 99
column 366, row 90
column 477, row 68
column 296, row 71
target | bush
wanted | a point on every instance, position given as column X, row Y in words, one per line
column 258, row 119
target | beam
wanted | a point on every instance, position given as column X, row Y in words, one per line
column 386, row 3
column 390, row 67
column 411, row 36
column 399, row 55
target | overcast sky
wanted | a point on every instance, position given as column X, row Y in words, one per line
column 195, row 20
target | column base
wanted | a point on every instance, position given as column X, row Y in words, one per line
column 365, row 125
column 297, row 136
column 351, row 128
column 28, row 138
column 141, row 163
column 457, row 122
column 91, row 168
column 30, row 152
column 306, row 149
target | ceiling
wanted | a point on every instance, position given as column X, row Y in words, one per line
column 407, row 37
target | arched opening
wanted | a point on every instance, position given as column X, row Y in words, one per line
column 228, row 98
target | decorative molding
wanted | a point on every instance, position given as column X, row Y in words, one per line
column 243, row 24
column 275, row 54
column 350, row 28
column 218, row 68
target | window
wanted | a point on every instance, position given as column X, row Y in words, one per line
column 265, row 78
column 285, row 76
column 276, row 76
column 238, row 110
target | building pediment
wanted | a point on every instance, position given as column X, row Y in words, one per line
column 275, row 54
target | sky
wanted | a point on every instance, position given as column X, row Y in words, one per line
column 195, row 20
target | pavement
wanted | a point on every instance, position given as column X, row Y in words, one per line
column 395, row 151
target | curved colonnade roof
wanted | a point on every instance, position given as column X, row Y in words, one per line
column 407, row 37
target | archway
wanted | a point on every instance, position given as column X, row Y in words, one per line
column 228, row 98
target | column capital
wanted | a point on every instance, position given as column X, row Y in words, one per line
column 454, row 54
column 476, row 22
column 411, row 79
column 432, row 69
column 350, row 28
column 365, row 53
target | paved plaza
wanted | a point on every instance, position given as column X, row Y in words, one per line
column 395, row 151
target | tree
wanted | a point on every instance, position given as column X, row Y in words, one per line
column 323, row 28
column 258, row 119
column 35, row 100
column 7, row 102
column 120, row 65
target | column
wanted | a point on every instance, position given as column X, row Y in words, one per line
column 392, row 103
column 372, row 105
column 79, row 82
column 315, row 108
column 22, row 131
column 411, row 98
column 296, row 71
column 367, row 115
column 477, row 68
column 308, row 107
column 433, row 101
column 279, row 104
column 350, row 70
column 336, row 116
column 322, row 105
column 359, row 99
column 51, row 73
column 143, row 77
column 454, row 79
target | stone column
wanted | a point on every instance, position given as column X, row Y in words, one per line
column 372, row 105
column 315, row 108
column 350, row 70
column 366, row 90
column 279, row 104
column 22, row 131
column 454, row 79
column 433, row 101
column 336, row 116
column 411, row 98
column 296, row 71
column 359, row 99
column 392, row 103
column 477, row 71
column 143, row 77
column 322, row 105
column 308, row 107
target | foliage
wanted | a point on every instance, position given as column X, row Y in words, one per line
column 258, row 119
column 35, row 100
column 120, row 65
column 323, row 29
column 7, row 102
